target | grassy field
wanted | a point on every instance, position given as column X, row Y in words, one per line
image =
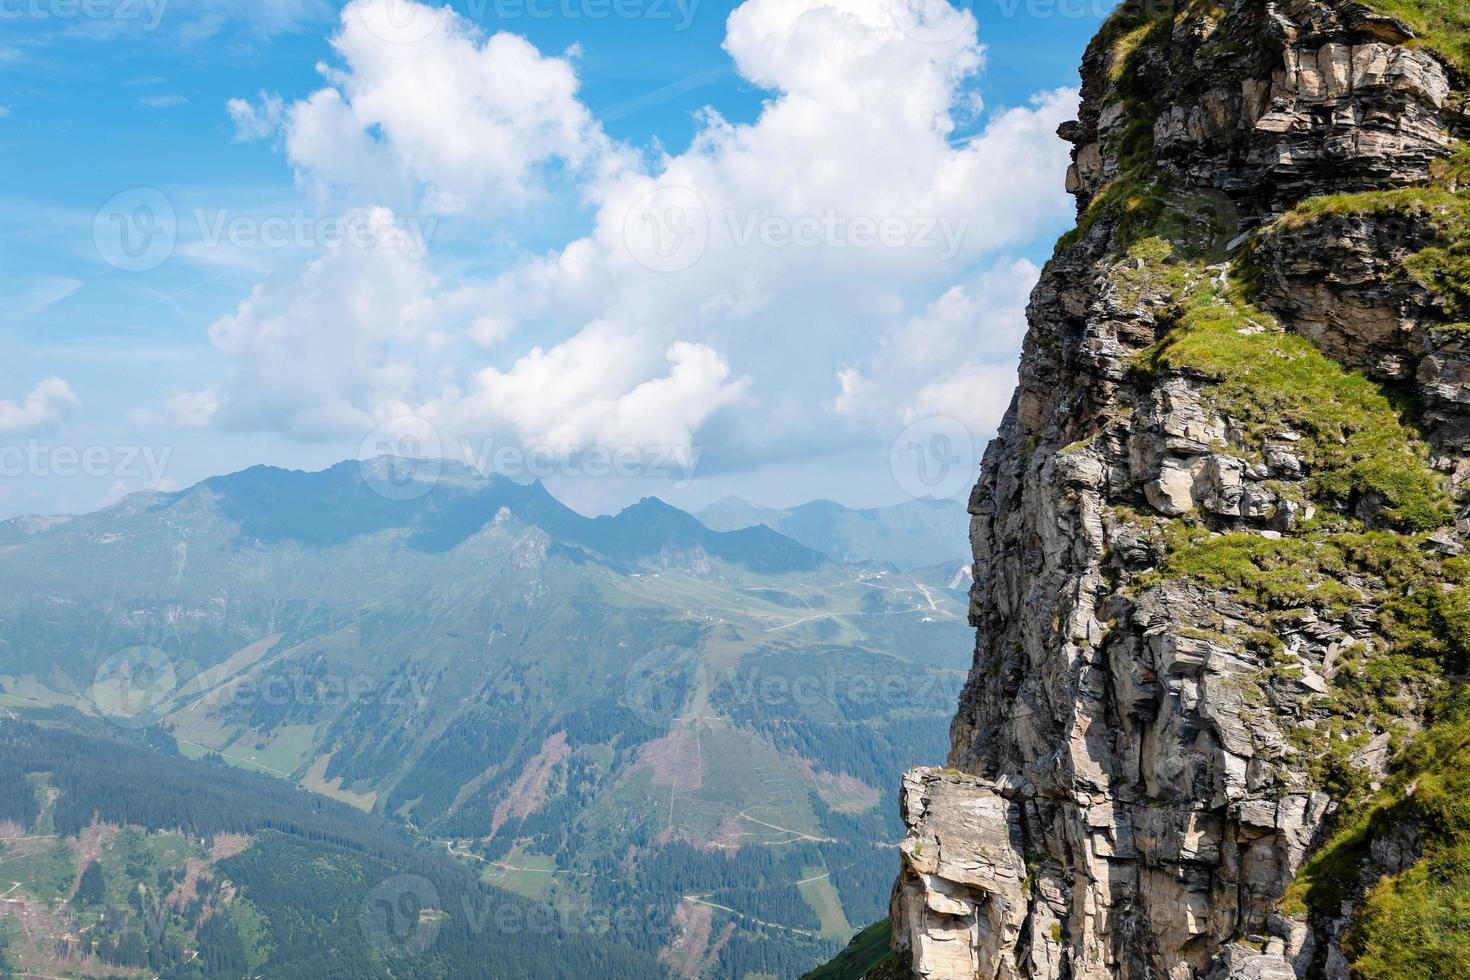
column 816, row 888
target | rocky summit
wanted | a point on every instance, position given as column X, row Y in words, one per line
column 1214, row 725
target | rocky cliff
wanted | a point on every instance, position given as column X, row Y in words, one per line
column 1213, row 726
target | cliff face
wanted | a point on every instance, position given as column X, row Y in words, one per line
column 1213, row 727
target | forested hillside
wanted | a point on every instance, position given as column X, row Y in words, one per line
column 124, row 860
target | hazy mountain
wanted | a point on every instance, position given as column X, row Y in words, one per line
column 911, row 534
column 635, row 711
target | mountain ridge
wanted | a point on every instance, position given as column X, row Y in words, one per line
column 910, row 534
column 351, row 498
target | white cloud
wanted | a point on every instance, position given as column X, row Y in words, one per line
column 316, row 353
column 466, row 122
column 256, row 122
column 4, row 111
column 797, row 285
column 170, row 101
column 192, row 410
column 860, row 131
column 957, row 358
column 48, row 405
column 599, row 388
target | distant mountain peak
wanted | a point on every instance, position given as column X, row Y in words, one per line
column 911, row 534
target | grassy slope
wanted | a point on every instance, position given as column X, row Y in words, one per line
column 867, row 950
column 1443, row 26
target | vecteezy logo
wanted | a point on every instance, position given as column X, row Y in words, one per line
column 932, row 21
column 400, row 917
column 400, row 21
column 658, row 684
column 667, row 230
column 136, row 230
column 131, row 686
column 402, row 458
column 933, row 458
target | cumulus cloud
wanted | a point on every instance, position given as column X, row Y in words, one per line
column 319, row 353
column 599, row 388
column 465, row 122
column 956, row 358
column 48, row 405
column 804, row 282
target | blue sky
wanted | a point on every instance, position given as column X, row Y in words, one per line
column 779, row 249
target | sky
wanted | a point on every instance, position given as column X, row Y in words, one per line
column 779, row 249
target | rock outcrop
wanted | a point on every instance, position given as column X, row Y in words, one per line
column 1215, row 595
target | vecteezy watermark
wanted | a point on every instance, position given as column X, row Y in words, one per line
column 147, row 464
column 751, row 687
column 1065, row 9
column 401, row 459
column 139, row 229
column 933, row 458
column 932, row 21
column 136, row 230
column 678, row 13
column 408, row 22
column 950, row 21
column 402, row 21
column 669, row 230
column 143, row 14
column 657, row 685
column 400, row 917
column 541, row 462
column 130, row 687
column 831, row 230
column 299, row 229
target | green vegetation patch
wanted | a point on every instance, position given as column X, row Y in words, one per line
column 1140, row 201
column 1443, row 26
column 45, row 867
column 1358, row 446
column 867, row 950
column 1417, row 923
column 1354, row 438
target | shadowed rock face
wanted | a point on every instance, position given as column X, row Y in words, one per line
column 1137, row 771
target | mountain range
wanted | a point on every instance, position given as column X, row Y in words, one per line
column 634, row 712
column 911, row 534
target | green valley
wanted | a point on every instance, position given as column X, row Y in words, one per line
column 691, row 730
